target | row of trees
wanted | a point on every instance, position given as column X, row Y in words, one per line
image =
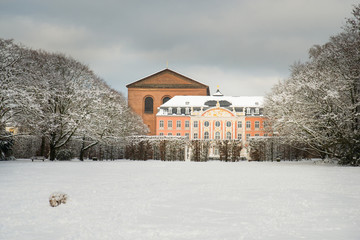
column 175, row 148
column 276, row 149
column 58, row 98
column 318, row 106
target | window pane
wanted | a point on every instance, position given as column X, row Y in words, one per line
column 206, row 135
column 165, row 99
column 217, row 135
column 149, row 105
column 228, row 135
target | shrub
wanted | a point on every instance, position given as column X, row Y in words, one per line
column 64, row 155
column 57, row 198
column 6, row 144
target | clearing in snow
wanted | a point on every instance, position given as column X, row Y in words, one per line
column 179, row 200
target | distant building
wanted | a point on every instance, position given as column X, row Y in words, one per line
column 216, row 117
column 147, row 94
column 13, row 130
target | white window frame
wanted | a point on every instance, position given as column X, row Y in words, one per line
column 228, row 135
column 178, row 124
column 258, row 124
column 161, row 124
column 206, row 124
column 239, row 136
column 206, row 135
column 187, row 111
column 217, row 135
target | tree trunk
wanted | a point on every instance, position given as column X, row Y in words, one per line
column 52, row 152
column 81, row 157
column 42, row 147
column 52, row 147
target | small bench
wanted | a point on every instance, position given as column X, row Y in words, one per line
column 38, row 158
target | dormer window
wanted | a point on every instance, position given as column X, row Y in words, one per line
column 178, row 111
column 187, row 111
column 170, row 110
column 256, row 110
column 248, row 111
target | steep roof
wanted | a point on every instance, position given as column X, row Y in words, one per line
column 165, row 79
column 199, row 101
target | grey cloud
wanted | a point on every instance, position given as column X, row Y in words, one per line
column 124, row 41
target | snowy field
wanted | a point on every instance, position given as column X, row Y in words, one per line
column 179, row 200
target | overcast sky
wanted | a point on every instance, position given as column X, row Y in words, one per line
column 243, row 46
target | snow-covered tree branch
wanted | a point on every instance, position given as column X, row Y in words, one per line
column 318, row 105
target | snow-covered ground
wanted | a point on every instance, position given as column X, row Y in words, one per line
column 179, row 200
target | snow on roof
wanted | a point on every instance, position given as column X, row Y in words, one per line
column 199, row 101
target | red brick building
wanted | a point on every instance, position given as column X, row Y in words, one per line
column 147, row 94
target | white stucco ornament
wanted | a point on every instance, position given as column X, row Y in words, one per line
column 217, row 113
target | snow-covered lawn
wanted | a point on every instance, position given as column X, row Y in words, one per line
column 179, row 200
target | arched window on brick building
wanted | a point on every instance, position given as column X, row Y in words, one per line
column 149, row 105
column 165, row 99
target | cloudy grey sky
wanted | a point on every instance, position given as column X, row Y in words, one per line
column 245, row 46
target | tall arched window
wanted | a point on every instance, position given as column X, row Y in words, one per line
column 206, row 135
column 217, row 135
column 228, row 135
column 165, row 99
column 149, row 105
